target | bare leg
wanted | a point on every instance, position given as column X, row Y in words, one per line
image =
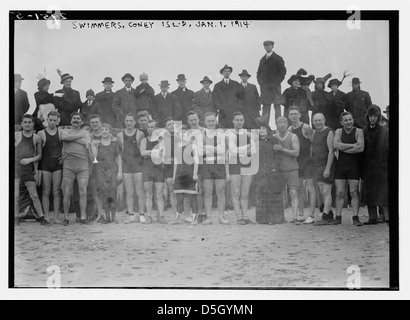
column 245, row 185
column 129, row 189
column 301, row 197
column 32, row 190
column 220, row 192
column 16, row 198
column 46, row 181
column 172, row 197
column 57, row 175
column 340, row 193
column 148, row 197
column 354, row 187
column 236, row 192
column 326, row 192
column 159, row 189
column 312, row 196
column 67, row 187
column 139, row 187
column 199, row 197
column 295, row 202
column 208, row 185
column 82, row 186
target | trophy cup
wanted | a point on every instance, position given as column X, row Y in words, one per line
column 94, row 150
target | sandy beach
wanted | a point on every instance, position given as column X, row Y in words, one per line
column 233, row 256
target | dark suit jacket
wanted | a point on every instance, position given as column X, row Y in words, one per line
column 124, row 103
column 144, row 100
column 203, row 103
column 357, row 103
column 104, row 108
column 251, row 106
column 185, row 99
column 272, row 70
column 334, row 107
column 168, row 107
column 228, row 99
column 88, row 111
column 66, row 105
column 21, row 105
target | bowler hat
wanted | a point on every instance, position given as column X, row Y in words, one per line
column 89, row 92
column 181, row 77
column 244, row 73
column 332, row 82
column 107, row 79
column 42, row 82
column 355, row 81
column 18, row 77
column 225, row 67
column 205, row 79
column 127, row 75
column 387, row 110
column 268, row 42
column 164, row 83
column 65, row 77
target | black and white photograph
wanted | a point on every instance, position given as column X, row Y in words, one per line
column 203, row 149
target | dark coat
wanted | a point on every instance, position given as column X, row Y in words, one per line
column 376, row 164
column 68, row 104
column 185, row 99
column 21, row 105
column 335, row 105
column 104, row 108
column 251, row 106
column 271, row 72
column 228, row 99
column 319, row 101
column 203, row 102
column 168, row 107
column 357, row 103
column 88, row 111
column 42, row 97
column 145, row 99
column 292, row 97
column 122, row 104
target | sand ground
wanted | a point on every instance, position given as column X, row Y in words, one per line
column 139, row 255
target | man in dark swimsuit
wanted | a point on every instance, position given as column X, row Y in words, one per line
column 28, row 152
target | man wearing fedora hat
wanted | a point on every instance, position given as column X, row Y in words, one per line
column 21, row 104
column 251, row 103
column 66, row 99
column 271, row 72
column 357, row 103
column 335, row 104
column 185, row 97
column 89, row 106
column 203, row 100
column 105, row 100
column 124, row 100
column 166, row 104
column 228, row 97
column 144, row 95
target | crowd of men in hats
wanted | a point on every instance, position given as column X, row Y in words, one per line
column 113, row 140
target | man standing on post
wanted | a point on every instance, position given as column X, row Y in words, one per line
column 166, row 105
column 76, row 154
column 376, row 165
column 270, row 75
column 185, row 97
column 21, row 104
column 124, row 100
column 105, row 99
column 357, row 103
column 349, row 141
column 203, row 100
column 27, row 154
column 66, row 99
column 251, row 105
column 228, row 95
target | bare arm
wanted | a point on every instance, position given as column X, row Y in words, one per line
column 140, row 136
column 338, row 144
column 359, row 145
column 144, row 152
column 119, row 159
column 331, row 155
column 294, row 152
column 120, row 139
column 69, row 136
column 308, row 132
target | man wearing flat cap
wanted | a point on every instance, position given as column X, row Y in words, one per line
column 166, row 105
column 185, row 97
column 251, row 102
column 124, row 100
column 21, row 104
column 203, row 100
column 66, row 99
column 90, row 106
column 357, row 103
column 270, row 74
column 105, row 101
column 228, row 97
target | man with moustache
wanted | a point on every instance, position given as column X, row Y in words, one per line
column 66, row 99
column 124, row 100
column 105, row 100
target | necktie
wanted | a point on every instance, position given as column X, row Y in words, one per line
column 89, row 103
